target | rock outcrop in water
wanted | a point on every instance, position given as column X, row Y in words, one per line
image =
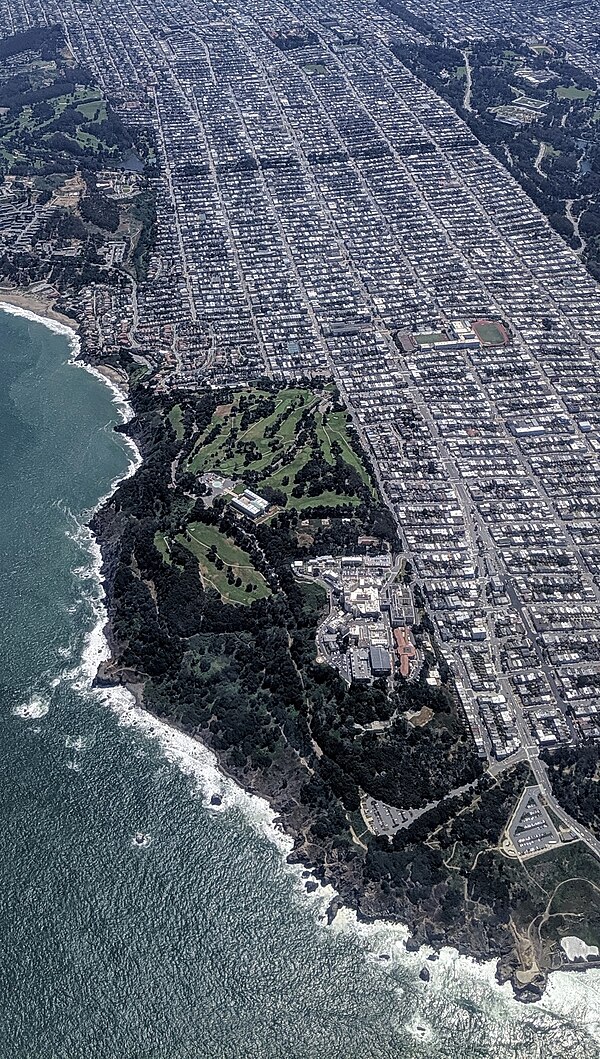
column 244, row 681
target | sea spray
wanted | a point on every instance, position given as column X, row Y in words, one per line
column 572, row 998
column 189, row 755
column 37, row 706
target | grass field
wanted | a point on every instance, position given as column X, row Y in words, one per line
column 93, row 109
column 175, row 421
column 314, row 68
column 550, row 151
column 530, row 101
column 490, row 333
column 573, row 92
column 429, row 337
column 267, row 439
column 567, row 883
column 199, row 538
column 161, row 543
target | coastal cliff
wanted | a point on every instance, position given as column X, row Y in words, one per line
column 244, row 681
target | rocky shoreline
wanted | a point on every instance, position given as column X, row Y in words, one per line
column 369, row 908
column 279, row 790
column 280, row 787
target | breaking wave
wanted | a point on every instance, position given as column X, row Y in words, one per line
column 37, row 706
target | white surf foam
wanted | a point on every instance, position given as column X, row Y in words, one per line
column 141, row 840
column 27, row 314
column 80, row 742
column 37, row 706
column 378, row 939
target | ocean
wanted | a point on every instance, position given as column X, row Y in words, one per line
column 201, row 942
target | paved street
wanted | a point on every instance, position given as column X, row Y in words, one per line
column 324, row 212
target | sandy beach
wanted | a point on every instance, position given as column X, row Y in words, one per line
column 381, row 941
column 36, row 302
column 43, row 308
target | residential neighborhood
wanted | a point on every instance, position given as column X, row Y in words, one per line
column 322, row 212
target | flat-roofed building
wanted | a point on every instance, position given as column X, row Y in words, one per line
column 380, row 661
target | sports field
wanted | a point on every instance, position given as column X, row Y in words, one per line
column 491, row 333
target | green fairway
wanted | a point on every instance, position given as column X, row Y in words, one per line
column 93, row 109
column 294, row 441
column 161, row 543
column 335, row 428
column 327, row 499
column 200, row 539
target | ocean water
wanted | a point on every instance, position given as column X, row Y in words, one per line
column 201, row 943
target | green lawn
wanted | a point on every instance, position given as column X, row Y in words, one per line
column 86, row 139
column 81, row 97
column 272, row 447
column 289, row 470
column 573, row 92
column 24, row 118
column 530, row 101
column 575, row 907
column 429, row 337
column 199, row 538
column 551, row 151
column 489, row 333
column 323, row 500
column 314, row 68
column 161, row 543
column 176, row 421
column 93, row 109
column 335, row 428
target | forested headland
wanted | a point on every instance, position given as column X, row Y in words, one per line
column 214, row 634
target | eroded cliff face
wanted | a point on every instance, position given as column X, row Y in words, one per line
column 336, row 854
